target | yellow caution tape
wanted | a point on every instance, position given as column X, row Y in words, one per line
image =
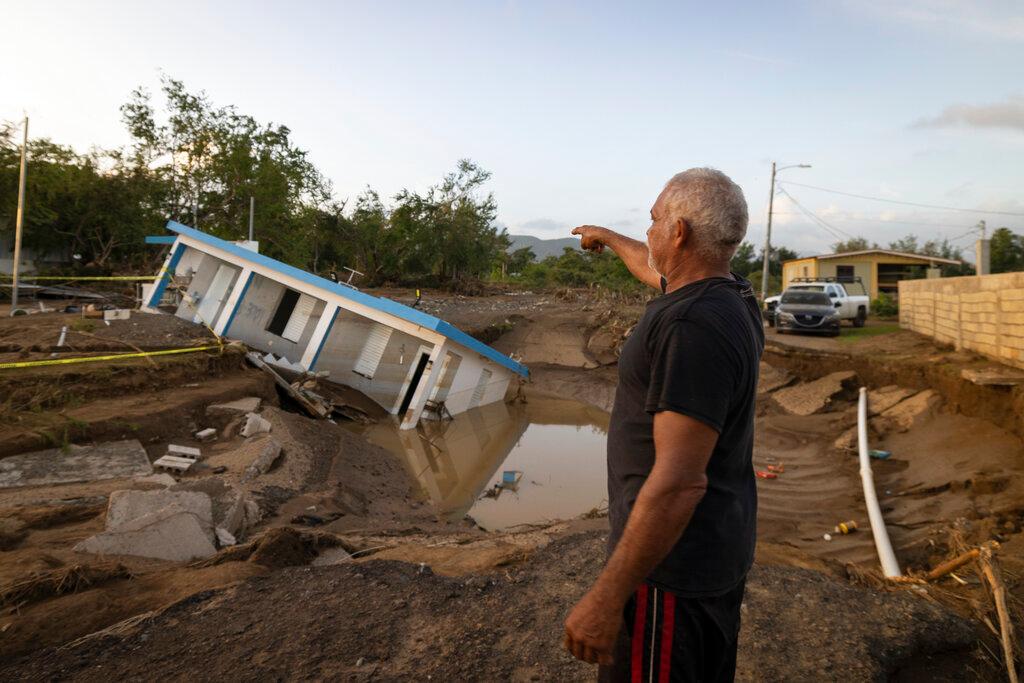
column 116, row 356
column 87, row 278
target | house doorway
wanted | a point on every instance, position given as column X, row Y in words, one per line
column 414, row 381
column 215, row 295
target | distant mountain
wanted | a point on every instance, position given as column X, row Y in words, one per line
column 543, row 248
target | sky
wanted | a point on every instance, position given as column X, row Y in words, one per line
column 581, row 110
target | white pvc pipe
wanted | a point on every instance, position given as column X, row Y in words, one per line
column 890, row 567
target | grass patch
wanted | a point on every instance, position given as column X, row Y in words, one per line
column 83, row 325
column 853, row 334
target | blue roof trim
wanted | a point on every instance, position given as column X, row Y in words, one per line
column 381, row 304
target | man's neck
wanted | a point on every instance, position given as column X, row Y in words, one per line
column 688, row 271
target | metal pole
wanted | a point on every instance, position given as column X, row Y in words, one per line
column 19, row 221
column 252, row 212
column 767, row 239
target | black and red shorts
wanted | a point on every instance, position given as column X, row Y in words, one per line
column 668, row 637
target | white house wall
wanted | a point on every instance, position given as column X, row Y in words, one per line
column 204, row 268
column 255, row 311
column 467, row 377
column 342, row 347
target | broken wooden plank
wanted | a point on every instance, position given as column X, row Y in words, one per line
column 317, row 410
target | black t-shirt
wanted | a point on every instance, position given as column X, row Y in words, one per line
column 695, row 351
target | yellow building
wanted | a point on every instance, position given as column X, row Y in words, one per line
column 880, row 270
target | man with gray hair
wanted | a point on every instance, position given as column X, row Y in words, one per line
column 682, row 499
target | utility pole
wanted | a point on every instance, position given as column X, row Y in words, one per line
column 20, row 220
column 768, row 239
column 252, row 212
column 768, row 230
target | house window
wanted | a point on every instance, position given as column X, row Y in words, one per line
column 292, row 314
column 844, row 273
column 373, row 350
column 805, row 271
column 481, row 387
column 284, row 311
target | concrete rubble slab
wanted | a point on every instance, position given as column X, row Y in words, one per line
column 177, row 537
column 127, row 507
column 901, row 417
column 264, row 460
column 112, row 460
column 880, row 400
column 242, row 405
column 816, row 396
column 161, row 478
column 166, row 525
column 772, row 378
column 998, row 375
column 329, row 556
column 225, row 538
column 254, row 424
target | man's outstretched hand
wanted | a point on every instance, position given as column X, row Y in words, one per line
column 591, row 237
column 591, row 629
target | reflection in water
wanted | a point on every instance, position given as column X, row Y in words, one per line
column 558, row 447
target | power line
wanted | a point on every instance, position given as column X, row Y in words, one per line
column 896, row 201
column 834, row 231
column 879, row 220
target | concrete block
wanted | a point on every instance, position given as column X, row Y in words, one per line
column 225, row 538
column 208, row 434
column 263, row 461
column 184, row 451
column 117, row 314
column 254, row 424
column 174, row 463
column 242, row 405
column 177, row 537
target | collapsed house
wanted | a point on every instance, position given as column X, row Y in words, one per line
column 404, row 359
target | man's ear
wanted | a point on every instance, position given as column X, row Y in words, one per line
column 681, row 233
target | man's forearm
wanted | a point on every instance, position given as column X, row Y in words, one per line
column 634, row 254
column 657, row 521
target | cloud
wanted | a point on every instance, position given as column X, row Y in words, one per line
column 988, row 19
column 542, row 225
column 1008, row 114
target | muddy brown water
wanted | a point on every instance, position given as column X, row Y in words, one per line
column 553, row 450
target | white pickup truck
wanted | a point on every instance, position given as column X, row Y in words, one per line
column 851, row 307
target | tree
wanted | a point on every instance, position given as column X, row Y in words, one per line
column 211, row 160
column 744, row 260
column 519, row 259
column 853, row 244
column 1007, row 251
column 907, row 245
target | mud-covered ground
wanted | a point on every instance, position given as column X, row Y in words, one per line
column 492, row 605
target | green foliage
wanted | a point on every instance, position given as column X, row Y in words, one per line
column 853, row 244
column 580, row 269
column 885, row 306
column 1006, row 251
column 199, row 164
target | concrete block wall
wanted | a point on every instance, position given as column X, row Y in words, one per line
column 984, row 314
